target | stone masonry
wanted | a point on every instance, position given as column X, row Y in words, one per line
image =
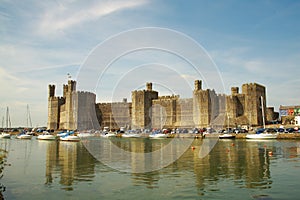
column 206, row 108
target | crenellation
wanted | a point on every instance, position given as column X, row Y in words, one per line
column 206, row 108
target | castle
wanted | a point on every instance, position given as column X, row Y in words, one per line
column 78, row 110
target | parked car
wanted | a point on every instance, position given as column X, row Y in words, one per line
column 280, row 130
column 289, row 130
column 240, row 130
column 259, row 130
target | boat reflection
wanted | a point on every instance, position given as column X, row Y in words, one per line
column 69, row 161
column 242, row 163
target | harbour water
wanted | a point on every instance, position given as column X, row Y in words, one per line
column 234, row 169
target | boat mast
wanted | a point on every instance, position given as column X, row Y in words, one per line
column 28, row 117
column 161, row 126
column 263, row 111
column 227, row 122
column 2, row 122
column 110, row 122
column 7, row 115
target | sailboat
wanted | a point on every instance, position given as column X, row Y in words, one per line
column 227, row 135
column 70, row 137
column 25, row 134
column 262, row 134
column 5, row 134
column 107, row 130
column 159, row 134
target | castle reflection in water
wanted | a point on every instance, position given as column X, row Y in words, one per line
column 246, row 163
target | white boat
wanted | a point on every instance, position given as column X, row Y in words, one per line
column 24, row 136
column 158, row 135
column 70, row 138
column 86, row 134
column 46, row 136
column 108, row 134
column 61, row 134
column 4, row 135
column 226, row 136
column 131, row 135
column 262, row 136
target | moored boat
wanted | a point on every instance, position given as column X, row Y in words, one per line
column 5, row 135
column 109, row 134
column 70, row 138
column 131, row 135
column 227, row 136
column 262, row 136
column 24, row 135
column 263, row 133
column 158, row 134
column 46, row 136
column 84, row 134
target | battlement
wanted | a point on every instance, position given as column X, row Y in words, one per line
column 85, row 92
column 234, row 90
column 168, row 97
column 113, row 103
column 198, row 85
column 57, row 99
column 221, row 95
column 149, row 86
column 51, row 89
column 201, row 110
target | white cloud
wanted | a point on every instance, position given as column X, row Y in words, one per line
column 67, row 15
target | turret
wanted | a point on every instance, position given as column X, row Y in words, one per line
column 51, row 90
column 198, row 85
column 234, row 90
column 149, row 86
column 71, row 85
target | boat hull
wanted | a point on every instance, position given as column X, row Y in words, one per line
column 46, row 137
column 70, row 138
column 109, row 135
column 158, row 136
column 5, row 135
column 131, row 135
column 227, row 136
column 262, row 136
column 24, row 136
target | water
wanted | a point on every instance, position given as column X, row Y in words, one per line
column 234, row 169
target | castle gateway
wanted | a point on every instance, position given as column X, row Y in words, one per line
column 78, row 110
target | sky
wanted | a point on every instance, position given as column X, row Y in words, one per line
column 237, row 41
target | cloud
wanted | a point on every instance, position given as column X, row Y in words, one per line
column 68, row 15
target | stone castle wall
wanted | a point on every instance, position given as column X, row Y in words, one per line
column 114, row 115
column 84, row 111
column 206, row 108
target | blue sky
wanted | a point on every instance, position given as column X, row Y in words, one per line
column 42, row 41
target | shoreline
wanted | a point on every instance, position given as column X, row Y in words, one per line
column 283, row 136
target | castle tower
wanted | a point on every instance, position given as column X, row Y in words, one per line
column 253, row 104
column 202, row 105
column 235, row 108
column 142, row 107
column 68, row 119
column 54, row 104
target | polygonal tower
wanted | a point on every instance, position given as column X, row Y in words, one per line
column 255, row 97
column 141, row 107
